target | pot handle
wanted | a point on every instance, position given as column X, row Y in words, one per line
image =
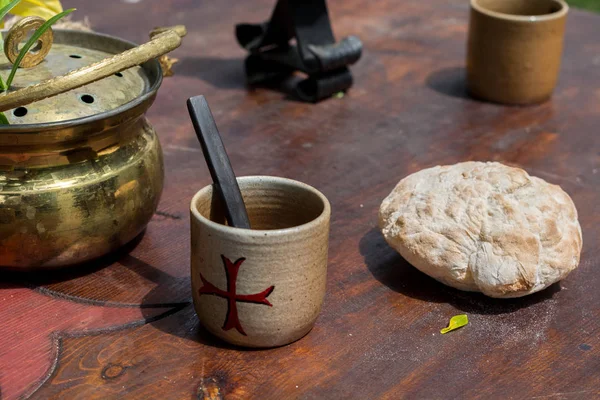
column 162, row 41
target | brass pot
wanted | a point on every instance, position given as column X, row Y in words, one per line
column 81, row 173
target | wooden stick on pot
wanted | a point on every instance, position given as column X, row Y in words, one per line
column 160, row 44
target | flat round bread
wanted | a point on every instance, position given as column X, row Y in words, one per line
column 483, row 227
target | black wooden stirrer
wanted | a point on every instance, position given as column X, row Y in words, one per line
column 218, row 162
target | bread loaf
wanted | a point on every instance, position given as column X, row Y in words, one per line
column 483, row 227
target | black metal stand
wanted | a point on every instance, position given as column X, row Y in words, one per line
column 315, row 52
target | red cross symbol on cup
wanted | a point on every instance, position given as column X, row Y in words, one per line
column 231, row 271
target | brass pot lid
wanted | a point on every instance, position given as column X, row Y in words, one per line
column 72, row 50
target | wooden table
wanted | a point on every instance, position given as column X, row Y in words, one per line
column 124, row 327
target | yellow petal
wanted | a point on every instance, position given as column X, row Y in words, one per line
column 41, row 8
column 52, row 5
column 458, row 321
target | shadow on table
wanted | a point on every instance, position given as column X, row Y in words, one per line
column 46, row 276
column 184, row 323
column 223, row 73
column 389, row 268
column 450, row 82
column 229, row 73
column 178, row 318
column 286, row 86
column 42, row 280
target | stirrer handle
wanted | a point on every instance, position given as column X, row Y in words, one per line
column 226, row 184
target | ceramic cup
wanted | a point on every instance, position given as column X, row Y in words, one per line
column 260, row 287
column 514, row 49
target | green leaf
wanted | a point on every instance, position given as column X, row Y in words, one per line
column 458, row 321
column 6, row 9
column 3, row 119
column 32, row 40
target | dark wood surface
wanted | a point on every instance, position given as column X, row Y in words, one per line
column 124, row 327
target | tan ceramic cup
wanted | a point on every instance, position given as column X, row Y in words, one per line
column 261, row 287
column 514, row 49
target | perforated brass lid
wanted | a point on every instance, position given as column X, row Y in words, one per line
column 72, row 50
